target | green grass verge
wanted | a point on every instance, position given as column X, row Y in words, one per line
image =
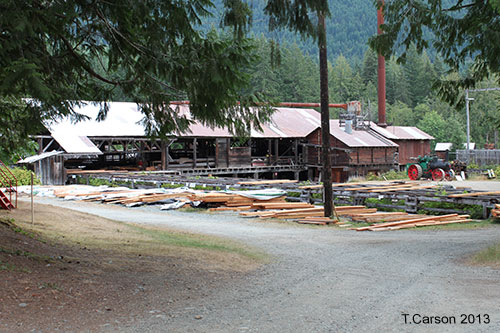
column 488, row 256
column 198, row 242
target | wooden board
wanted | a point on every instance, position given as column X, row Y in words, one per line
column 474, row 194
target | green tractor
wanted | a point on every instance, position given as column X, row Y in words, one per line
column 430, row 167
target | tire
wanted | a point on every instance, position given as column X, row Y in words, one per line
column 438, row 174
column 415, row 172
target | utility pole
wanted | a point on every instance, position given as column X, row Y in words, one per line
column 326, row 171
column 467, row 148
column 467, row 111
column 381, row 71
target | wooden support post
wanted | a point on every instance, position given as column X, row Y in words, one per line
column 256, row 175
column 485, row 210
column 40, row 145
column 217, row 153
column 296, row 151
column 269, row 151
column 167, row 154
column 276, row 152
column 310, row 174
column 195, row 150
column 296, row 175
column 164, row 157
column 228, row 148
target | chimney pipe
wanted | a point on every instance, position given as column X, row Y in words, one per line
column 381, row 72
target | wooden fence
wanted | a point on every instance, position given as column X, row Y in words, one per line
column 480, row 156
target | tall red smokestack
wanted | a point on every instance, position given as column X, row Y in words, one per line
column 381, row 73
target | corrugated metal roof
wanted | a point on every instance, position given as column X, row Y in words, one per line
column 443, row 146
column 36, row 158
column 359, row 138
column 75, row 144
column 123, row 119
column 402, row 132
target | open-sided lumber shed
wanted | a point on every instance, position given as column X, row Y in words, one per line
column 124, row 143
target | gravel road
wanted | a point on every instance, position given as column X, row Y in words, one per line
column 330, row 280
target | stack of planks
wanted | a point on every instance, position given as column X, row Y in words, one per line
column 234, row 201
column 417, row 222
column 495, row 212
column 306, row 213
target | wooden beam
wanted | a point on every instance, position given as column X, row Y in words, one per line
column 474, row 194
column 163, row 155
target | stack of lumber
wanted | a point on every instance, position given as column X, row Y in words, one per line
column 280, row 211
column 473, row 194
column 380, row 216
column 228, row 201
column 496, row 211
column 316, row 220
column 417, row 222
column 268, row 182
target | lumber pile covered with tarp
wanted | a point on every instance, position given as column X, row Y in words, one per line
column 263, row 204
column 168, row 198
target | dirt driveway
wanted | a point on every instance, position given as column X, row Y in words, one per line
column 330, row 280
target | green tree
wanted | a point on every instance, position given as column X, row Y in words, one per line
column 341, row 80
column 59, row 52
column 434, row 124
column 369, row 68
column 298, row 76
column 461, row 30
column 397, row 85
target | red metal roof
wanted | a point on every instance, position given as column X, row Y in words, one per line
column 123, row 119
column 358, row 138
column 401, row 132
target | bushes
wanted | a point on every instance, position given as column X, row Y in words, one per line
column 389, row 175
column 23, row 176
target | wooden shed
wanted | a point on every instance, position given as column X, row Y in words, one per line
column 412, row 141
column 353, row 153
column 48, row 167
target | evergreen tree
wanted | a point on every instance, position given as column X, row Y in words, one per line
column 370, row 65
column 460, row 31
column 397, row 85
column 59, row 52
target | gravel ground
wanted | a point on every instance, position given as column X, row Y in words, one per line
column 329, row 280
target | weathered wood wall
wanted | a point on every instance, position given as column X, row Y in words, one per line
column 412, row 148
column 240, row 156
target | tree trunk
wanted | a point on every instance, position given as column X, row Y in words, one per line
column 325, row 119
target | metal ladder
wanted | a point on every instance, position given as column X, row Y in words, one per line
column 8, row 182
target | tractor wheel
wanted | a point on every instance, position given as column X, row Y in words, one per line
column 450, row 175
column 437, row 174
column 415, row 172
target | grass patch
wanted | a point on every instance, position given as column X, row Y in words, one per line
column 195, row 241
column 27, row 254
column 123, row 240
column 7, row 267
column 488, row 256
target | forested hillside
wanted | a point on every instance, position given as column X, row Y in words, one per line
column 348, row 29
column 410, row 98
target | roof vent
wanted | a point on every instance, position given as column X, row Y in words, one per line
column 348, row 126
